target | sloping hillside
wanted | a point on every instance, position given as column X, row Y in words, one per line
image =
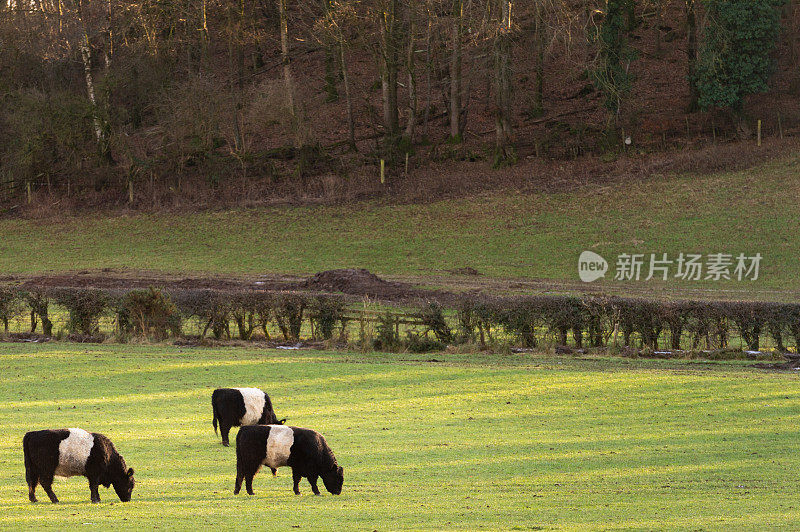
column 535, row 235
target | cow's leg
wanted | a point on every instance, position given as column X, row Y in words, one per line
column 296, row 476
column 248, row 483
column 46, row 480
column 93, row 489
column 32, row 478
column 312, row 479
column 224, row 429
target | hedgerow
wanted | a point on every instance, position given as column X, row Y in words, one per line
column 544, row 322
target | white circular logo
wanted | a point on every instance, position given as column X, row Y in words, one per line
column 591, row 266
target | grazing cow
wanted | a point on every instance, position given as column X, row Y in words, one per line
column 304, row 450
column 70, row 452
column 235, row 407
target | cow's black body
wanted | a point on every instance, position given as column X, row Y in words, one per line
column 309, row 457
column 228, row 408
column 104, row 465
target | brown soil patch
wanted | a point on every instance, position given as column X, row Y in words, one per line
column 352, row 282
column 359, row 283
column 121, row 280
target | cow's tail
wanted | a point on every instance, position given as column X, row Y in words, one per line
column 214, row 414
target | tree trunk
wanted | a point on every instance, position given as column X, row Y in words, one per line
column 428, row 75
column 389, row 67
column 236, row 73
column 287, row 72
column 109, row 52
column 676, row 331
column 577, row 335
column 691, row 54
column 330, row 62
column 351, row 125
column 60, row 17
column 204, row 38
column 412, row 81
column 98, row 122
column 86, row 56
column 538, row 94
column 744, row 130
column 455, row 70
column 504, row 152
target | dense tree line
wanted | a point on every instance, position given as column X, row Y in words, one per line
column 108, row 95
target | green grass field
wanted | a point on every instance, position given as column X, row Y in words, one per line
column 501, row 235
column 435, row 441
column 468, row 442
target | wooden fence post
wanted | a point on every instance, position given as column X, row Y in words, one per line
column 759, row 132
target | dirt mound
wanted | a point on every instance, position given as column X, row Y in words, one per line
column 356, row 281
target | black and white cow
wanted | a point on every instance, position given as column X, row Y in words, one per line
column 71, row 452
column 235, row 407
column 304, row 450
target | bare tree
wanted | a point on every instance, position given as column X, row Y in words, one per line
column 330, row 59
column 285, row 58
column 236, row 70
column 100, row 125
column 455, row 69
column 332, row 32
column 540, row 30
column 504, row 150
column 412, row 78
column 389, row 24
column 691, row 53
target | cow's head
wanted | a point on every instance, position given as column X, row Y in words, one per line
column 333, row 480
column 123, row 485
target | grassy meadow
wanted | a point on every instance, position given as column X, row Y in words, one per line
column 441, row 442
column 438, row 441
column 501, row 235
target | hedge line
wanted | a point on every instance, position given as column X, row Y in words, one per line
column 595, row 320
column 587, row 321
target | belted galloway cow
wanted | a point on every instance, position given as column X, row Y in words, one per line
column 235, row 407
column 72, row 452
column 304, row 450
